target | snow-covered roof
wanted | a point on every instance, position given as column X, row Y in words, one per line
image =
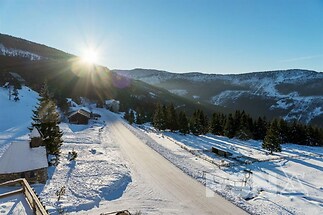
column 86, row 110
column 35, row 133
column 111, row 101
column 82, row 112
column 19, row 157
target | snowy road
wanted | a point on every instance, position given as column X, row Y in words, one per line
column 155, row 176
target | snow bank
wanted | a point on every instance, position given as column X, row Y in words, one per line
column 283, row 183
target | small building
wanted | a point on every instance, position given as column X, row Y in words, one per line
column 19, row 160
column 79, row 117
column 112, row 105
column 221, row 152
column 36, row 138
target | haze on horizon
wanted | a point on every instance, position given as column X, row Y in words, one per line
column 209, row 36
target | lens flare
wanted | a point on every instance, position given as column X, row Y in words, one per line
column 90, row 56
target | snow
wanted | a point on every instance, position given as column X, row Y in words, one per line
column 223, row 96
column 15, row 204
column 19, row 157
column 97, row 174
column 261, row 84
column 282, row 104
column 179, row 92
column 103, row 178
column 15, row 117
column 17, row 52
column 284, row 183
column 111, row 101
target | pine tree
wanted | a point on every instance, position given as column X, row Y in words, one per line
column 159, row 118
column 183, row 123
column 260, row 129
column 283, row 130
column 131, row 117
column 140, row 117
column 50, row 129
column 246, row 125
column 46, row 119
column 171, row 118
column 272, row 139
column 229, row 128
column 126, row 115
column 216, row 126
column 297, row 133
column 199, row 123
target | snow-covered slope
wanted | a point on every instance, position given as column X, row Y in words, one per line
column 288, row 182
column 11, row 52
column 15, row 117
column 292, row 94
column 98, row 173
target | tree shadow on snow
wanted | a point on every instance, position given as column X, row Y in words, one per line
column 115, row 192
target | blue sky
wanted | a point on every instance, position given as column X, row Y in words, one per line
column 210, row 36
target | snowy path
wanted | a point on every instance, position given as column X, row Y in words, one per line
column 158, row 186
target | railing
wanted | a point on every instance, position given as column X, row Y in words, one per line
column 29, row 193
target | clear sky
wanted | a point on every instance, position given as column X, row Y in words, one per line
column 210, row 36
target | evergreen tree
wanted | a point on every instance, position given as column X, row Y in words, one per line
column 297, row 133
column 164, row 117
column 171, row 117
column 245, row 128
column 131, row 117
column 46, row 119
column 50, row 129
column 159, row 118
column 62, row 104
column 272, row 139
column 195, row 124
column 140, row 117
column 216, row 125
column 126, row 115
column 183, row 123
column 229, row 128
column 199, row 123
column 204, row 122
column 283, row 130
column 260, row 128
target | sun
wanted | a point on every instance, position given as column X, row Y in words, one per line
column 90, row 56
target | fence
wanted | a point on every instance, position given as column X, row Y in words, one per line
column 34, row 202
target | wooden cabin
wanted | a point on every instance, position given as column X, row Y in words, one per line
column 79, row 117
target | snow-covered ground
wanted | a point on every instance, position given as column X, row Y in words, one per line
column 15, row 204
column 289, row 182
column 103, row 179
column 98, row 173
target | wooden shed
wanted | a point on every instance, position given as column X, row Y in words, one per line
column 79, row 117
column 221, row 152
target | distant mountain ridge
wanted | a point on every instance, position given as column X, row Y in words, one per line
column 67, row 76
column 18, row 47
column 293, row 94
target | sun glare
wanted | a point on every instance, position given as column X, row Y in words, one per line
column 90, row 57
